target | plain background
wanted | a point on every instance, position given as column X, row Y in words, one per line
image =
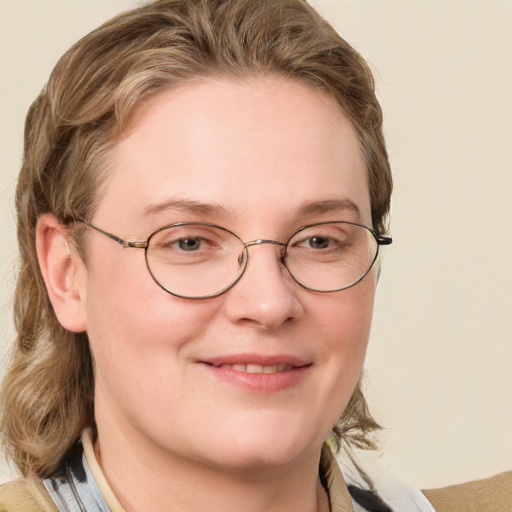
column 439, row 366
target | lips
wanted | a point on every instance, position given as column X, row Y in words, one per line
column 259, row 373
column 254, row 363
column 258, row 368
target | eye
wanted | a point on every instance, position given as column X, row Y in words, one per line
column 318, row 242
column 189, row 244
column 178, row 243
column 322, row 241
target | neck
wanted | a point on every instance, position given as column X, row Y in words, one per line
column 144, row 478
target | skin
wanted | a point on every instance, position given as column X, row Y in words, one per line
column 172, row 434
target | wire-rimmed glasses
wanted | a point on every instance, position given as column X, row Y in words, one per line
column 199, row 260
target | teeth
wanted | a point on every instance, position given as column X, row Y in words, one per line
column 257, row 368
column 254, row 368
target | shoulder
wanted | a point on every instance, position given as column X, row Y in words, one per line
column 25, row 495
column 490, row 495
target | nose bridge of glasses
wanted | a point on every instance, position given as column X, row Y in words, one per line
column 262, row 241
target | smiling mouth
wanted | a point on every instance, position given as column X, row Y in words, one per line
column 257, row 368
column 258, row 373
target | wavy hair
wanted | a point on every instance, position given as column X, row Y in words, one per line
column 88, row 104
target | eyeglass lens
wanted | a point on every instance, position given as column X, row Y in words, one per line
column 198, row 260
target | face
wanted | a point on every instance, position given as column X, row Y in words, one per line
column 261, row 158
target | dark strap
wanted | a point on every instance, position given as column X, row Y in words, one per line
column 368, row 499
column 73, row 488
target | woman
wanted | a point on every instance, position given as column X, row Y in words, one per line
column 204, row 192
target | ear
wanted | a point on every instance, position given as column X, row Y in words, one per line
column 63, row 272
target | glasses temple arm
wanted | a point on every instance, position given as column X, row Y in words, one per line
column 384, row 240
column 120, row 241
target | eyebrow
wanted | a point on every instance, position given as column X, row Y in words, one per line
column 305, row 209
column 186, row 205
column 328, row 206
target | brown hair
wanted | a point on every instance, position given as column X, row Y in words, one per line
column 92, row 95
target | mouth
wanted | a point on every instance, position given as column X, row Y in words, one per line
column 257, row 368
column 258, row 373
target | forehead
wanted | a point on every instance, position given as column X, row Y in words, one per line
column 248, row 146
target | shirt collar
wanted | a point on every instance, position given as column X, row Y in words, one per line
column 339, row 497
column 97, row 473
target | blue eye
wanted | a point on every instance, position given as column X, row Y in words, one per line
column 189, row 244
column 319, row 242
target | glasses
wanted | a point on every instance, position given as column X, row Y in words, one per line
column 198, row 260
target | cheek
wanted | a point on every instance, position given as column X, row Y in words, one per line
column 141, row 344
column 346, row 324
column 347, row 317
column 132, row 323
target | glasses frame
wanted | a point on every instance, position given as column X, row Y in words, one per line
column 144, row 244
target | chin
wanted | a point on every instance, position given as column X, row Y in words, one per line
column 266, row 446
column 254, row 458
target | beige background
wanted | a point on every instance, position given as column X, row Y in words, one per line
column 439, row 367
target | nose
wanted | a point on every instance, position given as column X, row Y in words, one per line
column 266, row 296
